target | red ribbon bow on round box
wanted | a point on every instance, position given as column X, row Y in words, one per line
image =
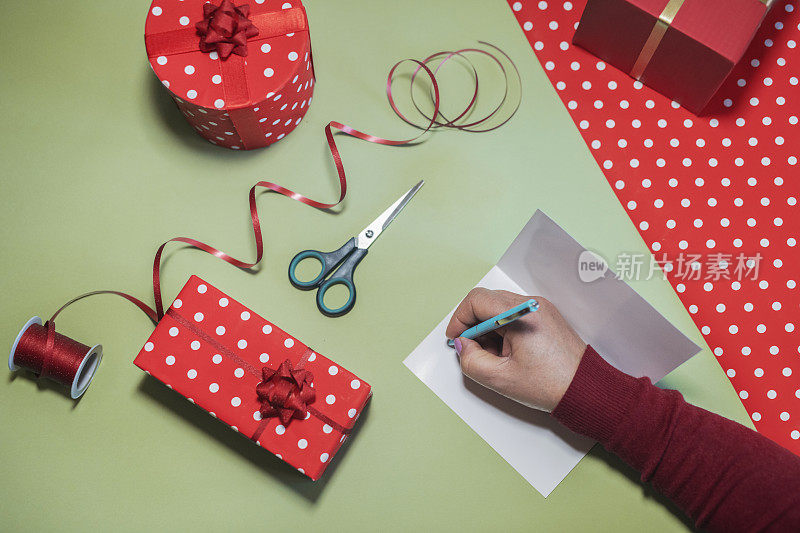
column 225, row 29
column 197, row 49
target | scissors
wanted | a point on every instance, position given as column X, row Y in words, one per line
column 338, row 266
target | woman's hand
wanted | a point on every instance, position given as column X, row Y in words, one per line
column 531, row 360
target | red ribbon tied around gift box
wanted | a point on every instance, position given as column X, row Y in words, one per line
column 226, row 23
column 225, row 29
column 285, row 392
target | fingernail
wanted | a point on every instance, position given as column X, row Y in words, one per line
column 457, row 344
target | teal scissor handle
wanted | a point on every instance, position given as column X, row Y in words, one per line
column 339, row 311
column 346, row 259
column 306, row 254
column 328, row 260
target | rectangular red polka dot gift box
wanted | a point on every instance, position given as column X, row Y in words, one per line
column 255, row 377
column 683, row 49
column 240, row 72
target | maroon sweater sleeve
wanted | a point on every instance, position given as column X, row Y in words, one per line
column 725, row 476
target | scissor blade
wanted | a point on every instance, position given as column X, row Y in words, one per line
column 371, row 232
column 398, row 206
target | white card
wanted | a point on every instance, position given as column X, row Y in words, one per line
column 544, row 260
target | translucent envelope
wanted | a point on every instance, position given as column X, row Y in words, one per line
column 627, row 331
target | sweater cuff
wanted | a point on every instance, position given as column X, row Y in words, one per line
column 598, row 399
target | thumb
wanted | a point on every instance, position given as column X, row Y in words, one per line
column 476, row 363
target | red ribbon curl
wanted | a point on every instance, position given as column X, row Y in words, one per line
column 225, row 29
column 285, row 392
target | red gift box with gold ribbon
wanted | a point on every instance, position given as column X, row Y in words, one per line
column 684, row 49
column 255, row 377
column 240, row 72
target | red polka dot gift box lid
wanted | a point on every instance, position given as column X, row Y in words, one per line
column 683, row 49
column 240, row 72
column 255, row 377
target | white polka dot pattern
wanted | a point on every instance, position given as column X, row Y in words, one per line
column 196, row 80
column 225, row 384
column 710, row 186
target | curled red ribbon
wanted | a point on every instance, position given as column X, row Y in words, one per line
column 435, row 120
column 225, row 29
column 285, row 392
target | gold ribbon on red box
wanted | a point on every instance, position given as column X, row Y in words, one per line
column 663, row 22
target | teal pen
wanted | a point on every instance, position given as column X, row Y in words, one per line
column 499, row 321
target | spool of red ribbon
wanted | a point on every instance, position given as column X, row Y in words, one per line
column 48, row 354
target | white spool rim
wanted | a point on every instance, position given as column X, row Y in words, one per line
column 85, row 373
column 29, row 323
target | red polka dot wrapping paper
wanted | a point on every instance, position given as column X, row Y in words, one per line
column 714, row 196
column 206, row 375
column 278, row 71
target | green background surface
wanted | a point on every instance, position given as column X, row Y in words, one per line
column 99, row 168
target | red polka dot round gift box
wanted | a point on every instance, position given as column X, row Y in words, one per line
column 240, row 72
column 255, row 377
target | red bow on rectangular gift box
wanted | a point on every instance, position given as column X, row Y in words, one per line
column 255, row 377
column 684, row 49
